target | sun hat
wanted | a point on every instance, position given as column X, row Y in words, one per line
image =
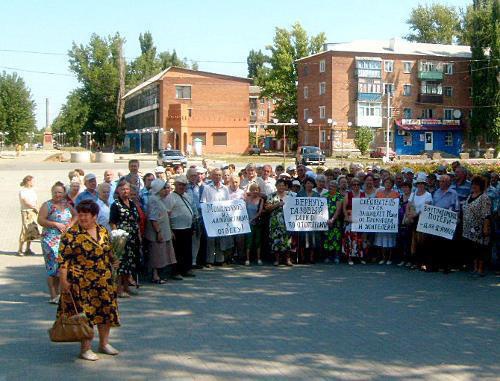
column 89, row 176
column 157, row 185
column 296, row 182
column 421, row 178
column 181, row 179
column 159, row 169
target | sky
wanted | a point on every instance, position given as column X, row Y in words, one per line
column 201, row 30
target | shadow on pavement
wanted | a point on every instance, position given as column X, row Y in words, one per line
column 331, row 322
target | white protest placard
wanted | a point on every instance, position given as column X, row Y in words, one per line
column 437, row 221
column 375, row 215
column 306, row 214
column 223, row 218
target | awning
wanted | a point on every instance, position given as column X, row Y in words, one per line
column 428, row 125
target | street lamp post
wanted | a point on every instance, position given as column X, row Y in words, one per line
column 292, row 122
column 332, row 123
column 309, row 122
column 140, row 139
column 174, row 136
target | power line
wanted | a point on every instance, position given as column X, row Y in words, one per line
column 35, row 71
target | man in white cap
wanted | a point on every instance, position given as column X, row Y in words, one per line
column 267, row 180
column 195, row 190
column 292, row 171
column 251, row 178
column 90, row 192
column 160, row 173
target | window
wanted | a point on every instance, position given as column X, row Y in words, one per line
column 448, row 139
column 427, row 113
column 470, row 114
column 448, row 113
column 372, row 86
column 306, row 70
column 262, row 101
column 306, row 92
column 432, row 88
column 448, row 91
column 407, row 66
column 406, row 90
column 190, row 112
column 220, row 138
column 369, row 109
column 388, row 88
column 262, row 113
column 323, row 136
column 183, row 92
column 391, row 112
column 322, row 112
column 430, row 66
column 448, row 69
column 322, row 88
column 368, row 68
column 385, row 136
column 470, row 92
column 388, row 66
column 407, row 138
column 322, row 66
column 306, row 113
column 200, row 135
column 407, row 113
column 262, row 126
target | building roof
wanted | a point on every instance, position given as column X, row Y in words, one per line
column 397, row 46
column 161, row 74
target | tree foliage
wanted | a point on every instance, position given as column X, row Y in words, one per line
column 72, row 118
column 483, row 31
column 280, row 83
column 17, row 109
column 363, row 137
column 256, row 62
column 434, row 24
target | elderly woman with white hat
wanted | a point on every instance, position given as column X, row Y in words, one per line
column 158, row 233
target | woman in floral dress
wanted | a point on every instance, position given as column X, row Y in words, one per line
column 353, row 243
column 87, row 261
column 281, row 240
column 333, row 236
column 56, row 216
column 123, row 215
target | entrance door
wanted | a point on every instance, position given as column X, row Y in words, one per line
column 428, row 141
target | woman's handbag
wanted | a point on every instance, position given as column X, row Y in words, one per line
column 71, row 328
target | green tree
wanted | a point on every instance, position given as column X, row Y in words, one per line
column 363, row 137
column 146, row 65
column 72, row 118
column 17, row 109
column 434, row 24
column 256, row 62
column 168, row 59
column 96, row 66
column 482, row 29
column 281, row 82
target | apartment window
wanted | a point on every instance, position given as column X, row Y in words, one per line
column 430, row 66
column 306, row 92
column 407, row 66
column 369, row 109
column 407, row 138
column 262, row 126
column 262, row 113
column 448, row 139
column 306, row 113
column 306, row 70
column 407, row 113
column 323, row 136
column 220, row 138
column 390, row 136
column 322, row 112
column 322, row 66
column 262, row 101
column 470, row 92
column 406, row 90
column 428, row 113
column 368, row 68
column 372, row 86
column 448, row 69
column 183, row 92
column 388, row 66
column 388, row 88
column 448, row 91
column 200, row 135
column 448, row 113
column 432, row 88
column 322, row 88
column 190, row 112
column 391, row 112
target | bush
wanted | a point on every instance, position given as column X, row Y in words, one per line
column 363, row 138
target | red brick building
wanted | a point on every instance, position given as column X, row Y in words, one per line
column 349, row 84
column 179, row 105
column 261, row 114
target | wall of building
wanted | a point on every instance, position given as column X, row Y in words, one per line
column 417, row 146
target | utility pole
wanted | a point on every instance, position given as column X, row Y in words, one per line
column 388, row 128
column 120, row 105
column 46, row 113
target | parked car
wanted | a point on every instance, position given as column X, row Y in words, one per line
column 254, row 150
column 379, row 152
column 310, row 155
column 170, row 158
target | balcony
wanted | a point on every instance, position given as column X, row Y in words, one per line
column 368, row 73
column 430, row 98
column 430, row 75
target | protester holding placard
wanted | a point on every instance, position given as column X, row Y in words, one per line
column 281, row 241
column 353, row 243
column 308, row 241
column 406, row 224
column 333, row 237
column 419, row 198
column 386, row 241
column 477, row 224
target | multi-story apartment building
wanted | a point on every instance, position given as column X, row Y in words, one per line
column 261, row 115
column 422, row 90
column 179, row 105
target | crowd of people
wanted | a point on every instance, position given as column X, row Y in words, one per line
column 162, row 213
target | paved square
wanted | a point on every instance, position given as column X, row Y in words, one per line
column 307, row 322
